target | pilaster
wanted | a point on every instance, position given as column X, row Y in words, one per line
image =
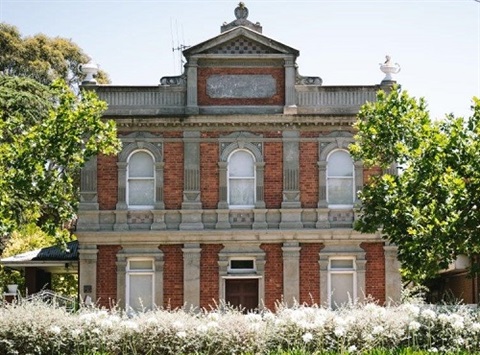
column 191, row 69
column 290, row 94
column 191, row 205
column 393, row 279
column 291, row 273
column 191, row 274
column 291, row 205
column 87, row 270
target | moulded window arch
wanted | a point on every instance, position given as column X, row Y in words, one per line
column 340, row 179
column 241, row 179
column 140, row 180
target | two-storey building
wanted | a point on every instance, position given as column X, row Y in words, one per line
column 234, row 183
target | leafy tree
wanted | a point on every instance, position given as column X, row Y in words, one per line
column 425, row 200
column 42, row 58
column 46, row 136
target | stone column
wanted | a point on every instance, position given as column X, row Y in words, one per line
column 260, row 169
column 191, row 69
column 87, row 272
column 291, row 205
column 393, row 279
column 290, row 93
column 121, row 212
column 291, row 273
column 192, row 205
column 191, row 274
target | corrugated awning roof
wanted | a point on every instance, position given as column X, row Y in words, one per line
column 53, row 253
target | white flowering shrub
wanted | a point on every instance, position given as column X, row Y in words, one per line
column 37, row 328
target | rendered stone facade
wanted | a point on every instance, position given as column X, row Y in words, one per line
column 225, row 188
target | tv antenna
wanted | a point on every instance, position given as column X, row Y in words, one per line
column 177, row 48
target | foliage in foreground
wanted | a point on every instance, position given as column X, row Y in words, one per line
column 36, row 328
column 47, row 134
column 429, row 207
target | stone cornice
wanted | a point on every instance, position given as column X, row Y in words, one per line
column 326, row 236
column 222, row 121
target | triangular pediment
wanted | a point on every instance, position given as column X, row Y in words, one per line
column 240, row 40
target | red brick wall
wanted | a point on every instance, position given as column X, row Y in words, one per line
column 107, row 274
column 173, row 172
column 273, row 274
column 172, row 275
column 107, row 181
column 205, row 100
column 310, row 273
column 309, row 174
column 273, row 182
column 209, row 176
column 209, row 275
column 375, row 270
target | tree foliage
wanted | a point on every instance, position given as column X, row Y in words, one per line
column 426, row 199
column 47, row 134
column 42, row 58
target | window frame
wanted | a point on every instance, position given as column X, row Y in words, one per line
column 328, row 178
column 252, row 178
column 128, row 179
column 240, row 271
column 341, row 271
column 136, row 272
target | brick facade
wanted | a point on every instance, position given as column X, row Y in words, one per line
column 280, row 218
column 209, row 282
column 106, row 271
column 375, row 271
column 172, row 276
column 309, row 273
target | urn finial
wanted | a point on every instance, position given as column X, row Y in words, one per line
column 389, row 68
column 90, row 69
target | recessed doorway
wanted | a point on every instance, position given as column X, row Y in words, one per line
column 242, row 293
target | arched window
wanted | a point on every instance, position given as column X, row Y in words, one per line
column 340, row 183
column 140, row 180
column 241, row 179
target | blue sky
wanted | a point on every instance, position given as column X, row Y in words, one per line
column 436, row 42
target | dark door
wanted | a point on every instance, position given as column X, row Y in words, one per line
column 242, row 293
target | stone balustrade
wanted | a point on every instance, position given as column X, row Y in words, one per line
column 171, row 99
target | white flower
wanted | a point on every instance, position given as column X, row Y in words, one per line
column 307, row 337
column 339, row 331
column 458, row 325
column 202, row 328
column 378, row 329
column 181, row 334
column 429, row 314
column 130, row 325
column 55, row 329
column 414, row 326
column 476, row 327
column 352, row 349
column 433, row 350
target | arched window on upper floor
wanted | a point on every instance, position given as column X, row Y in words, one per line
column 241, row 179
column 340, row 179
column 140, row 180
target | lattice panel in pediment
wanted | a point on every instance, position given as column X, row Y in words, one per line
column 241, row 45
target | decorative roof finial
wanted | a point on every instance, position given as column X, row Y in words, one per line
column 389, row 68
column 241, row 12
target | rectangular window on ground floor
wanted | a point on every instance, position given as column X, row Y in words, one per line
column 342, row 279
column 140, row 284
